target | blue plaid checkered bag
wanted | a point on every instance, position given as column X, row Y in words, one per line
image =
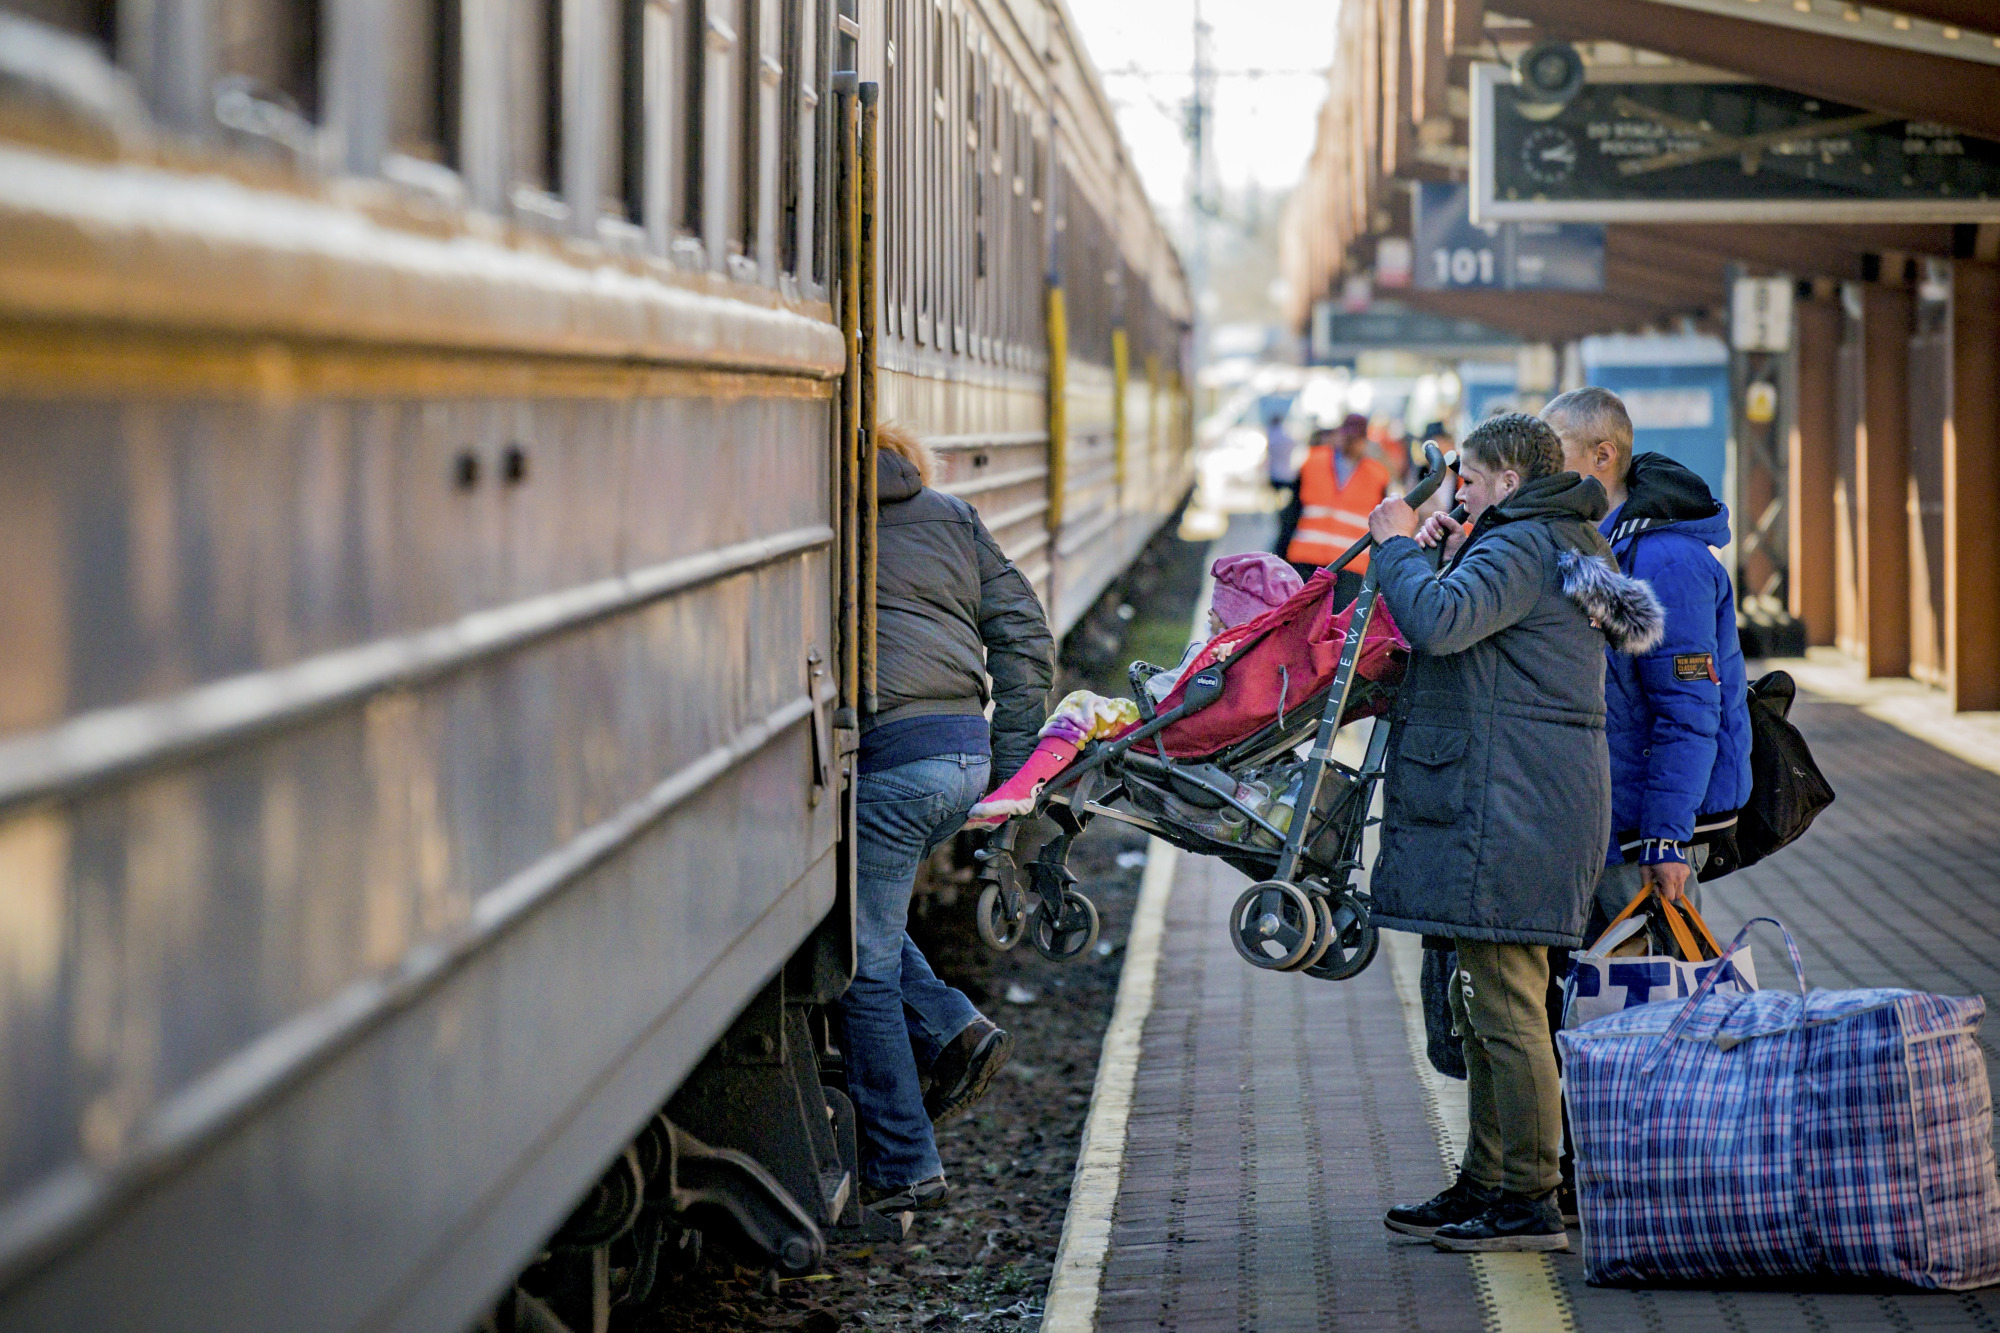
column 1767, row 1133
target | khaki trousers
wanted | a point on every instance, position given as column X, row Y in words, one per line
column 1499, row 1007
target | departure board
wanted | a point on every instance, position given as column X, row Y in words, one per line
column 1717, row 152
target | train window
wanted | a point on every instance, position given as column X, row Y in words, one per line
column 1024, row 235
column 721, row 134
column 534, row 102
column 619, row 170
column 798, row 102
column 935, row 174
column 267, row 56
column 95, row 19
column 663, row 129
column 892, row 249
column 975, row 167
column 751, row 112
column 420, row 44
column 815, row 90
column 1037, row 176
column 953, row 184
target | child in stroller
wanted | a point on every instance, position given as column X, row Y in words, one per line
column 1214, row 766
column 1246, row 586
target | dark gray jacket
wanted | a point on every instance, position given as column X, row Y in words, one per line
column 952, row 612
column 1498, row 796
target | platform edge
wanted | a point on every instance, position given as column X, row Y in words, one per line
column 1071, row 1306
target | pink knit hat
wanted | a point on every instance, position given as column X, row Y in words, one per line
column 1246, row 586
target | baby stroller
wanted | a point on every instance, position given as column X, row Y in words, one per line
column 1216, row 768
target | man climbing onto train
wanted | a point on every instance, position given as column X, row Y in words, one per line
column 1338, row 487
column 954, row 612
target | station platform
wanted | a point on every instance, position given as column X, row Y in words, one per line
column 1250, row 1128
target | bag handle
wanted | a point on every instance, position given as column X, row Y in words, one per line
column 1682, row 938
column 1707, row 985
column 1687, row 905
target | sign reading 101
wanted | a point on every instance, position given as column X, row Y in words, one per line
column 1464, row 267
column 1455, row 253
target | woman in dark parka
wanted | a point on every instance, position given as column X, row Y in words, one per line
column 1498, row 795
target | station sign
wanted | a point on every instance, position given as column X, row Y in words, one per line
column 1760, row 315
column 1454, row 253
column 1340, row 335
column 1716, row 151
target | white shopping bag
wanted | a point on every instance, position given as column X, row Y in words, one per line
column 1600, row 983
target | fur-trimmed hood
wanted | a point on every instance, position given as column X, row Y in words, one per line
column 1625, row 608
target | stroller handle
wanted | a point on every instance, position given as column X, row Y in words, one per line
column 1435, row 463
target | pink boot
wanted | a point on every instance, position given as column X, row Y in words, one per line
column 1016, row 796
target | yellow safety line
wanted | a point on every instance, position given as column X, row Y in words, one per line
column 1093, row 1194
column 1518, row 1293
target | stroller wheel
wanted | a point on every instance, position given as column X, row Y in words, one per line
column 995, row 926
column 1353, row 945
column 1059, row 938
column 1273, row 925
column 1323, row 933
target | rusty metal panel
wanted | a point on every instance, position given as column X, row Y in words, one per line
column 384, row 731
column 418, row 1169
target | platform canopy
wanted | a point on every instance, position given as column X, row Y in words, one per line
column 1400, row 111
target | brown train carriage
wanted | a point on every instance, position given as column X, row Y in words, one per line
column 421, row 495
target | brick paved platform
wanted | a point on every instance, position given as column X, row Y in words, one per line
column 1274, row 1118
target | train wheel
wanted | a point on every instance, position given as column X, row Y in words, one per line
column 999, row 929
column 1354, row 942
column 1273, row 925
column 1063, row 937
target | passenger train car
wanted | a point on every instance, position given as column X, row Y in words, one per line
column 434, row 508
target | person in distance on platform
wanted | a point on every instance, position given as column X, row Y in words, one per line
column 1497, row 802
column 1445, row 496
column 1282, row 467
column 953, row 612
column 1677, row 718
column 1338, row 486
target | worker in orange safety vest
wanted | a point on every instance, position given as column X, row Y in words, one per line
column 1338, row 487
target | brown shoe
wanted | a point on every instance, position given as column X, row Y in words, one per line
column 965, row 1069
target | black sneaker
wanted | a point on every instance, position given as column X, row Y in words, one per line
column 965, row 1069
column 1514, row 1222
column 923, row 1197
column 1464, row 1200
column 1566, row 1203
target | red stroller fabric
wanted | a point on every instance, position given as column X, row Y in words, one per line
column 1281, row 659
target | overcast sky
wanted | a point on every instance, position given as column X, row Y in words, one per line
column 1263, row 127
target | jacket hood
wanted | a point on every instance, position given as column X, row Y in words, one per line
column 1562, row 495
column 1665, row 494
column 1569, row 504
column 895, row 478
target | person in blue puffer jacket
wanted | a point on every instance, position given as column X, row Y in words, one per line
column 1677, row 718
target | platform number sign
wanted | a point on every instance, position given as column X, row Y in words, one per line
column 1456, row 254
column 1463, row 266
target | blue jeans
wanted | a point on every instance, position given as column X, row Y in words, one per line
column 896, row 1002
